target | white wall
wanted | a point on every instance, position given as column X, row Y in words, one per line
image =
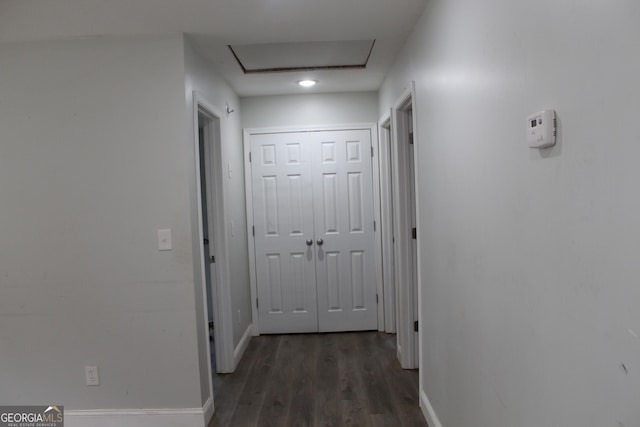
column 309, row 109
column 530, row 285
column 93, row 160
column 200, row 76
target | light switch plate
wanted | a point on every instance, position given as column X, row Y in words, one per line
column 164, row 239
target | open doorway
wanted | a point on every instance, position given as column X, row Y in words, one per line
column 210, row 250
column 405, row 228
column 208, row 129
column 386, row 221
column 208, row 140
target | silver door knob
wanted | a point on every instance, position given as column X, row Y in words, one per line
column 309, row 242
column 319, row 242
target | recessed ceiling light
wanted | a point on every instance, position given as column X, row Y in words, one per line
column 307, row 83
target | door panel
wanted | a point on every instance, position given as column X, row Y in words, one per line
column 345, row 267
column 314, row 187
column 283, row 220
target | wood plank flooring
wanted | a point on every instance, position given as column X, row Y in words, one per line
column 320, row 380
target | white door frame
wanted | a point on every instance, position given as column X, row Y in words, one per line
column 386, row 222
column 249, row 203
column 223, row 335
column 408, row 341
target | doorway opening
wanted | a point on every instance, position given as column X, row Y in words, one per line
column 405, row 228
column 215, row 343
column 386, row 224
column 206, row 129
column 208, row 137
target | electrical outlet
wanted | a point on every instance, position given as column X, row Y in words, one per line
column 164, row 239
column 91, row 375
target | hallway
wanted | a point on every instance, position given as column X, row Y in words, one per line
column 342, row 379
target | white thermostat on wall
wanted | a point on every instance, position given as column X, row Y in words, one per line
column 541, row 129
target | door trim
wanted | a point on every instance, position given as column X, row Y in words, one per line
column 223, row 335
column 408, row 340
column 247, row 133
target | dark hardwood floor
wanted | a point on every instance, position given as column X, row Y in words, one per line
column 340, row 379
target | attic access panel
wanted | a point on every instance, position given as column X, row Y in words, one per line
column 284, row 57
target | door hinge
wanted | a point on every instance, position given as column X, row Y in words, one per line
column 415, row 326
column 374, row 226
column 253, row 230
column 212, row 259
column 205, row 241
column 411, row 138
column 249, row 156
column 377, row 302
column 257, row 304
column 414, row 233
column 371, row 151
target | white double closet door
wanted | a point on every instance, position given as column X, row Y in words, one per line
column 314, row 231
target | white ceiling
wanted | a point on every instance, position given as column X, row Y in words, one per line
column 212, row 25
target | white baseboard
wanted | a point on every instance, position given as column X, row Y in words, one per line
column 208, row 409
column 242, row 346
column 186, row 417
column 428, row 411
